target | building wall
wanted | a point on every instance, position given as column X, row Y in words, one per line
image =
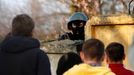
column 112, row 29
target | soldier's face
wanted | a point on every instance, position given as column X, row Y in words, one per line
column 78, row 27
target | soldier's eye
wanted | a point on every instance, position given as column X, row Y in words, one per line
column 73, row 25
column 81, row 24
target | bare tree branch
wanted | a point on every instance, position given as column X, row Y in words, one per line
column 113, row 7
column 133, row 11
column 100, row 6
column 124, row 4
column 129, row 6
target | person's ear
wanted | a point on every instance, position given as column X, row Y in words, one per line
column 82, row 56
column 106, row 57
column 33, row 33
column 124, row 57
column 103, row 57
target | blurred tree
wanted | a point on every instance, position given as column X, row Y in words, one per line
column 86, row 6
column 130, row 7
column 99, row 7
column 124, row 4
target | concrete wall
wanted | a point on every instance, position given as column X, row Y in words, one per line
column 56, row 49
column 112, row 29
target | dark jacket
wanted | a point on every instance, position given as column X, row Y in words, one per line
column 69, row 35
column 22, row 56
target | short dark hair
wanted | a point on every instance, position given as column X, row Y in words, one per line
column 93, row 49
column 67, row 61
column 115, row 51
column 22, row 25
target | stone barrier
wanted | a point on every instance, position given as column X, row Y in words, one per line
column 55, row 49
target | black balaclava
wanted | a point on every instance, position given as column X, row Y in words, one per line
column 76, row 24
column 77, row 28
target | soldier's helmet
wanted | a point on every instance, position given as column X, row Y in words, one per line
column 77, row 18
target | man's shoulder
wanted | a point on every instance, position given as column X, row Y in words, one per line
column 121, row 70
column 85, row 69
column 129, row 72
column 39, row 52
column 76, row 70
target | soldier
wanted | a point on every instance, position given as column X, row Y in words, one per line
column 76, row 24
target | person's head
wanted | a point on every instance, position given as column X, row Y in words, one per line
column 115, row 52
column 77, row 22
column 67, row 61
column 22, row 25
column 92, row 50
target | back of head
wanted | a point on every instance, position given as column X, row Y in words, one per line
column 22, row 25
column 93, row 49
column 115, row 52
column 67, row 61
